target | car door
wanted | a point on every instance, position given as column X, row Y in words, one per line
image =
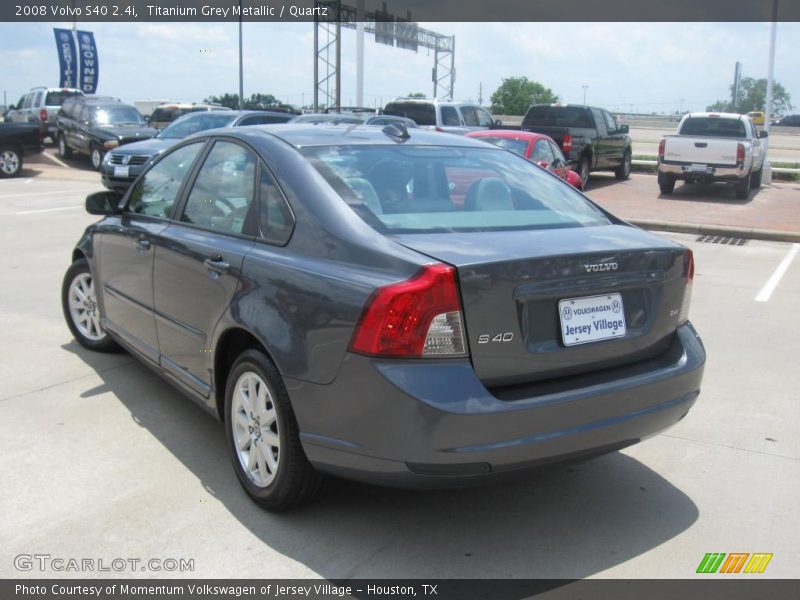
column 198, row 267
column 616, row 140
column 601, row 142
column 126, row 246
column 82, row 137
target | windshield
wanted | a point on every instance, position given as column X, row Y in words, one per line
column 422, row 113
column 713, row 127
column 117, row 115
column 196, row 122
column 516, row 146
column 419, row 189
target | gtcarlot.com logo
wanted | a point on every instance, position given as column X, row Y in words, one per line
column 47, row 562
column 735, row 562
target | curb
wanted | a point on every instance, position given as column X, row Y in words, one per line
column 769, row 235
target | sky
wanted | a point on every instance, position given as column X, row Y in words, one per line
column 640, row 67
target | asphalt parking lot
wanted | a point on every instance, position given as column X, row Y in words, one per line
column 100, row 458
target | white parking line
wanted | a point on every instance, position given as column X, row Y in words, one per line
column 55, row 160
column 27, row 194
column 46, row 210
column 772, row 283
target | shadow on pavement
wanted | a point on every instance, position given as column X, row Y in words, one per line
column 713, row 193
column 567, row 521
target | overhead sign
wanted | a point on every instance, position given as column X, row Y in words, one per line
column 67, row 58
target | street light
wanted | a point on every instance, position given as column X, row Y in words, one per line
column 585, row 87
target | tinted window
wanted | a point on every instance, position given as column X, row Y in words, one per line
column 423, row 113
column 57, row 98
column 223, row 192
column 516, row 146
column 434, row 189
column 713, row 127
column 450, row 116
column 275, row 220
column 542, row 151
column 558, row 116
column 38, row 100
column 194, row 123
column 611, row 124
column 599, row 119
column 484, row 118
column 156, row 191
column 470, row 116
column 331, row 118
column 264, row 119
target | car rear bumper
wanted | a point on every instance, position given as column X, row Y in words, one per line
column 712, row 173
column 433, row 424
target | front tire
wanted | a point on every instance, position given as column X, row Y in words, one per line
column 584, row 169
column 263, row 436
column 64, row 151
column 624, row 170
column 10, row 161
column 666, row 183
column 81, row 310
column 743, row 187
column 96, row 157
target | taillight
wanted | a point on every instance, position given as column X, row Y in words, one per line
column 740, row 153
column 416, row 318
column 688, row 271
column 661, row 146
column 439, row 129
column 566, row 143
column 43, row 115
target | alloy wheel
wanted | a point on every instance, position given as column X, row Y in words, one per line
column 255, row 429
column 83, row 308
column 9, row 162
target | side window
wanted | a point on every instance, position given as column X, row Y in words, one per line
column 28, row 100
column 85, row 115
column 484, row 118
column 156, row 191
column 599, row 121
column 450, row 117
column 470, row 116
column 38, row 101
column 223, row 192
column 557, row 154
column 611, row 124
column 275, row 220
column 542, row 151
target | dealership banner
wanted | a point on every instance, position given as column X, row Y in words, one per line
column 89, row 68
column 67, row 58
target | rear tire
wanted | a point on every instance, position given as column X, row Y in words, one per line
column 64, row 151
column 263, row 436
column 755, row 178
column 743, row 187
column 79, row 303
column 666, row 183
column 624, row 170
column 10, row 161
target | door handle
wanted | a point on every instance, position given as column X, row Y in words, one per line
column 217, row 263
column 143, row 244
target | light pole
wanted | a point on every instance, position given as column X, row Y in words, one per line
column 241, row 66
column 767, row 170
column 585, row 87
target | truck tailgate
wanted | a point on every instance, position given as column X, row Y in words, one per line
column 701, row 150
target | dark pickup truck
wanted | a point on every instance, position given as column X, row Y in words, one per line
column 589, row 137
column 16, row 141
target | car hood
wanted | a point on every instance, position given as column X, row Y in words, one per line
column 127, row 131
column 147, row 147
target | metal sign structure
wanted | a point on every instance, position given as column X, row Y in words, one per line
column 388, row 29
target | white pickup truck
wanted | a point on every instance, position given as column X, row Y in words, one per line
column 711, row 147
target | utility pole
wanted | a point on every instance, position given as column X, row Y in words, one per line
column 241, row 64
column 480, row 93
column 767, row 170
column 585, row 87
column 360, row 18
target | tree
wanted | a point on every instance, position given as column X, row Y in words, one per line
column 255, row 101
column 416, row 95
column 753, row 96
column 516, row 94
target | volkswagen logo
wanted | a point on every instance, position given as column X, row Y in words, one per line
column 566, row 313
column 615, row 306
column 126, row 159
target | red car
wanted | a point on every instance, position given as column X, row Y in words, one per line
column 536, row 147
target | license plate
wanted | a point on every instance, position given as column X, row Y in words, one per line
column 700, row 168
column 591, row 319
column 121, row 171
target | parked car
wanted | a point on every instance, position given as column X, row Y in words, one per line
column 788, row 121
column 757, row 117
column 588, row 136
column 16, row 141
column 383, row 120
column 93, row 125
column 444, row 115
column 536, row 147
column 122, row 166
column 41, row 106
column 165, row 114
column 710, row 148
column 322, row 293
column 330, row 118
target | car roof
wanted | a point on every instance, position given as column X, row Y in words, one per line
column 304, row 135
column 433, row 101
column 721, row 115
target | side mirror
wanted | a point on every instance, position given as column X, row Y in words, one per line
column 624, row 129
column 763, row 134
column 497, row 123
column 102, row 203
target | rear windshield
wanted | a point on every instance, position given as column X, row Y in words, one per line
column 194, row 123
column 516, row 146
column 57, row 98
column 329, row 118
column 558, row 116
column 713, row 127
column 117, row 115
column 170, row 114
column 421, row 113
column 419, row 189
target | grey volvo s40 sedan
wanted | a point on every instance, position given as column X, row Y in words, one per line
column 395, row 306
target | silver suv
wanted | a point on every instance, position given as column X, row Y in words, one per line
column 444, row 115
column 41, row 106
